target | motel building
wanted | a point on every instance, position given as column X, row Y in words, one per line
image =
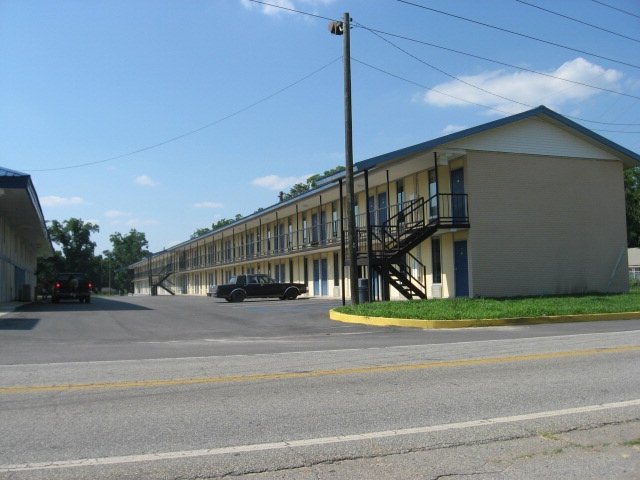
column 529, row 204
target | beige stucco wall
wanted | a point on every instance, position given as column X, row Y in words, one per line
column 545, row 225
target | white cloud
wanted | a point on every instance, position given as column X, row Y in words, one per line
column 208, row 205
column 116, row 214
column 136, row 222
column 290, row 4
column 146, row 181
column 274, row 182
column 525, row 87
column 54, row 201
column 453, row 128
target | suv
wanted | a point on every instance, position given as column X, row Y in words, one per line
column 71, row 286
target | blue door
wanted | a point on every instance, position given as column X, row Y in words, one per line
column 461, row 269
column 382, row 208
column 320, row 273
column 458, row 210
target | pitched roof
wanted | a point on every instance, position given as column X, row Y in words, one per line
column 540, row 111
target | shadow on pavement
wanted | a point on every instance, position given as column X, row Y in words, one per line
column 97, row 304
column 18, row 323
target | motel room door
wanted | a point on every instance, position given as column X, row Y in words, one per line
column 320, row 281
column 461, row 268
column 457, row 188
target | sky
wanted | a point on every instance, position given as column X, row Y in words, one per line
column 166, row 116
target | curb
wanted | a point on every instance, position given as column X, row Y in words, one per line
column 484, row 322
column 10, row 307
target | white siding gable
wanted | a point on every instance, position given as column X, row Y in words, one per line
column 533, row 136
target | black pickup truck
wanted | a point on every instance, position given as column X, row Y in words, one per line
column 71, row 286
column 256, row 286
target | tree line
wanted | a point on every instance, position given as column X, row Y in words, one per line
column 76, row 253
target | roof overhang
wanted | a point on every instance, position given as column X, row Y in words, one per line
column 20, row 206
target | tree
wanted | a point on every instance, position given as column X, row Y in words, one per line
column 214, row 226
column 126, row 249
column 310, row 183
column 632, row 197
column 74, row 237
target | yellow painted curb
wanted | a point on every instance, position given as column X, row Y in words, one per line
column 483, row 322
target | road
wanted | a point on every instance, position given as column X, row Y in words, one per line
column 188, row 387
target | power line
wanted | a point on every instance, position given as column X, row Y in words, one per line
column 375, row 31
column 293, row 10
column 448, row 74
column 616, row 8
column 578, row 21
column 530, row 37
column 429, row 88
column 196, row 130
column 492, row 60
column 412, row 82
column 378, row 32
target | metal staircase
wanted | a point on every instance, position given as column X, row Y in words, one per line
column 386, row 248
column 162, row 280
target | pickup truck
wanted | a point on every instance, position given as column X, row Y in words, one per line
column 256, row 286
column 71, row 286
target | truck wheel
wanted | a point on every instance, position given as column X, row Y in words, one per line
column 87, row 299
column 238, row 296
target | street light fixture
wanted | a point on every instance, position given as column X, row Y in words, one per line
column 342, row 28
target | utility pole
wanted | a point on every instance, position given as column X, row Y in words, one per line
column 343, row 28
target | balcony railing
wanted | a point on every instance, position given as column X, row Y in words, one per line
column 442, row 210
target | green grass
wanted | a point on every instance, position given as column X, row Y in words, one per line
column 481, row 308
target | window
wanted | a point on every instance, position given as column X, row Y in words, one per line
column 228, row 251
column 436, row 266
column 305, row 234
column 336, row 269
column 400, row 194
column 433, row 195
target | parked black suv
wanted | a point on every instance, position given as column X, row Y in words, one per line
column 71, row 286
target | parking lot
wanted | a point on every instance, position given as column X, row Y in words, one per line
column 142, row 327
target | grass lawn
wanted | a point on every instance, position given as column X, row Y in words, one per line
column 481, row 308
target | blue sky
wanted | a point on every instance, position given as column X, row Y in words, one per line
column 166, row 115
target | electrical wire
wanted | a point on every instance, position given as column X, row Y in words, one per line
column 355, row 24
column 616, row 8
column 578, row 21
column 448, row 74
column 497, row 62
column 377, row 33
column 293, row 10
column 530, row 37
column 196, row 130
column 417, row 84
column 412, row 82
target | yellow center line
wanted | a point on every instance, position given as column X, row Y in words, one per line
column 312, row 373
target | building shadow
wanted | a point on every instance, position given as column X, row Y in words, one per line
column 18, row 323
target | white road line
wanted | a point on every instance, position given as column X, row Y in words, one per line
column 311, row 442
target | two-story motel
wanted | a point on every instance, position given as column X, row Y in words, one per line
column 526, row 205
